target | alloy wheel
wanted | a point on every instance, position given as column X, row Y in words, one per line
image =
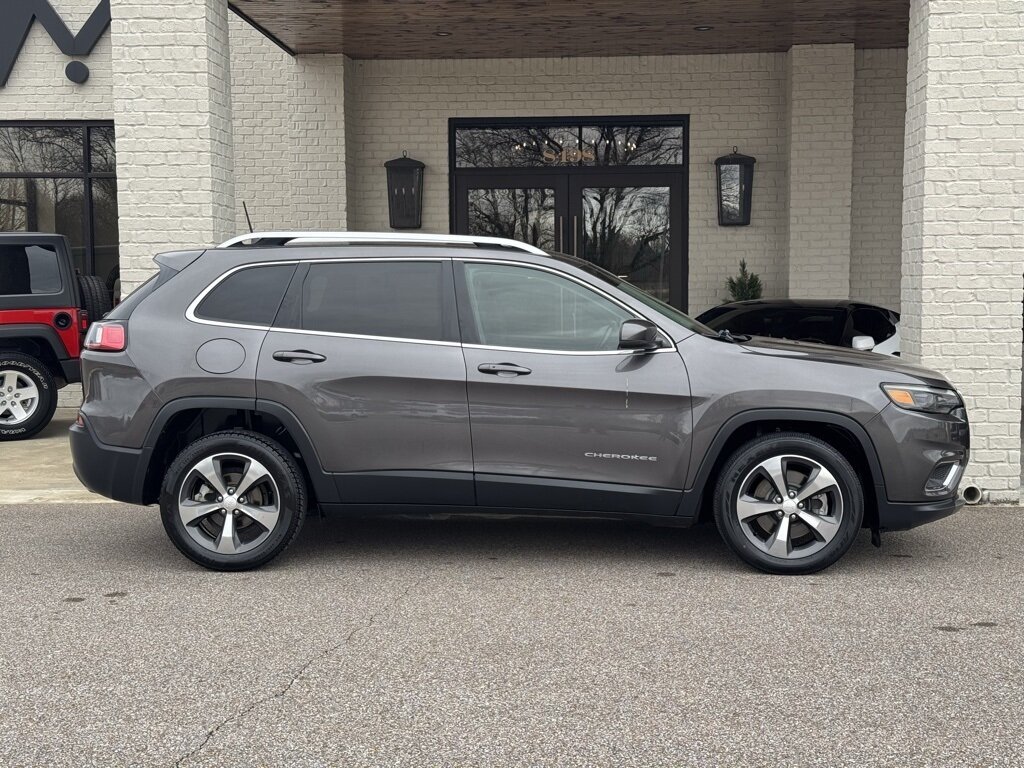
column 789, row 506
column 229, row 503
column 19, row 397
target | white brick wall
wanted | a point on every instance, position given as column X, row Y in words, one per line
column 37, row 88
column 172, row 112
column 820, row 122
column 318, row 138
column 963, row 224
column 731, row 99
column 289, row 134
column 880, row 94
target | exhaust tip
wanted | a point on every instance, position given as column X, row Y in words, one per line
column 972, row 494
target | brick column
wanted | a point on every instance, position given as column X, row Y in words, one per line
column 318, row 143
column 963, row 222
column 172, row 113
column 820, row 123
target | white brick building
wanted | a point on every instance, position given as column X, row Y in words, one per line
column 890, row 148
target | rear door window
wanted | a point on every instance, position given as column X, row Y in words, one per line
column 29, row 269
column 390, row 299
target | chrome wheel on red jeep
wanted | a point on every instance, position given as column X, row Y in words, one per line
column 19, row 398
column 28, row 396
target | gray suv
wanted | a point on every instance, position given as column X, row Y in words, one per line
column 245, row 385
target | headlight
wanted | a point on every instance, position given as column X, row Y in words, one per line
column 918, row 397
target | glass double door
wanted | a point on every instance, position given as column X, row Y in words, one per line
column 631, row 224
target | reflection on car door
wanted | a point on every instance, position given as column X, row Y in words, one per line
column 560, row 417
column 366, row 354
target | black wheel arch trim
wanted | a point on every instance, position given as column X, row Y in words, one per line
column 36, row 330
column 323, row 484
column 689, row 505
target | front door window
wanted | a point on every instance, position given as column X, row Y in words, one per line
column 525, row 308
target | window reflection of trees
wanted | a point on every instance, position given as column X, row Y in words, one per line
column 41, row 149
column 635, row 144
column 626, row 231
column 729, row 180
column 524, row 214
column 610, row 145
column 510, row 147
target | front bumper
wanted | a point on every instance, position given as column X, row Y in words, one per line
column 117, row 473
column 901, row 516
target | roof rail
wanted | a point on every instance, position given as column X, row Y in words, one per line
column 311, row 238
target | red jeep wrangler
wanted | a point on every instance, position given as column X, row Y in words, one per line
column 45, row 308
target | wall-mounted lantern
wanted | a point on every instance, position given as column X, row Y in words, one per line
column 735, row 183
column 405, row 192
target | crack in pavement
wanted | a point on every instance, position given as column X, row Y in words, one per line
column 280, row 694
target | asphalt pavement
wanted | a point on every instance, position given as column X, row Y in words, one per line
column 487, row 643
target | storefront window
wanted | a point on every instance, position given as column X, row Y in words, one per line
column 59, row 177
column 537, row 145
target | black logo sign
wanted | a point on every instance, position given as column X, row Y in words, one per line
column 20, row 15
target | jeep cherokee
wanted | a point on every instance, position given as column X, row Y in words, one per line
column 246, row 384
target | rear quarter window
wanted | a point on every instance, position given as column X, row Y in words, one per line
column 250, row 296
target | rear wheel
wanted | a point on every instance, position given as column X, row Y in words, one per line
column 232, row 501
column 28, row 396
column 789, row 503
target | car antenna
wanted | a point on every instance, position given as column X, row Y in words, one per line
column 247, row 219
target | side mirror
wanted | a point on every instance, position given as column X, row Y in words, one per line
column 639, row 335
column 863, row 343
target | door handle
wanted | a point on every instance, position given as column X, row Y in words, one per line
column 503, row 369
column 299, row 356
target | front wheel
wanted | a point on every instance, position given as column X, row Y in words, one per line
column 232, row 501
column 789, row 503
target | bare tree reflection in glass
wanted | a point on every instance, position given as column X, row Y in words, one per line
column 524, row 214
column 729, row 180
column 626, row 231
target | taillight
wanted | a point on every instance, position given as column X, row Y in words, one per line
column 105, row 337
column 83, row 321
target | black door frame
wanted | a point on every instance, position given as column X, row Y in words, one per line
column 460, row 179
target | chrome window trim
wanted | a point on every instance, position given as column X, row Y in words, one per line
column 575, row 353
column 190, row 312
column 527, row 265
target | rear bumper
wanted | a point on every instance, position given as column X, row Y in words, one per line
column 117, row 473
column 900, row 516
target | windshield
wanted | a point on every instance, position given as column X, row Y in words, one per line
column 636, row 293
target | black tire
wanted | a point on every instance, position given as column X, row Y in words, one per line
column 738, row 470
column 95, row 297
column 45, row 386
column 281, row 468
